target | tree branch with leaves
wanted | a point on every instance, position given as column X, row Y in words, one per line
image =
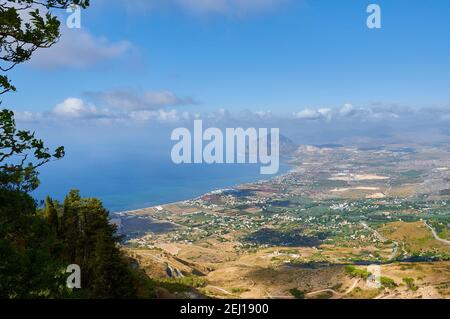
column 21, row 153
column 25, row 26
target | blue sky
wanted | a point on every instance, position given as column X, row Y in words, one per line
column 260, row 55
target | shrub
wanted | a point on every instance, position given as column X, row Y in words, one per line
column 297, row 293
column 410, row 283
column 388, row 282
column 355, row 272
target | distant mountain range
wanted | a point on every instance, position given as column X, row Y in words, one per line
column 287, row 146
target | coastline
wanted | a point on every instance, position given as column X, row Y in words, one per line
column 289, row 168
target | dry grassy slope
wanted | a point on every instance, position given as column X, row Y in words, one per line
column 432, row 279
column 155, row 263
column 275, row 282
column 263, row 274
column 209, row 253
column 415, row 236
column 256, row 275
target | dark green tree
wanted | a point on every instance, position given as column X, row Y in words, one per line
column 37, row 245
column 28, row 266
column 51, row 214
column 90, row 242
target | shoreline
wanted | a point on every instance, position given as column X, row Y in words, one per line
column 291, row 169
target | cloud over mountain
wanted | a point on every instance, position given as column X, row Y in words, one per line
column 358, row 114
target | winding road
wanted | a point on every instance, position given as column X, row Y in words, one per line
column 383, row 239
column 337, row 294
column 435, row 235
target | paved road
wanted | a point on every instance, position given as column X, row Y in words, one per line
column 349, row 290
column 435, row 235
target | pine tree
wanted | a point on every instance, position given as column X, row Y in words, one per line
column 28, row 268
column 51, row 214
column 90, row 241
column 70, row 226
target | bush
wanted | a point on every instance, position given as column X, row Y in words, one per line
column 388, row 282
column 410, row 283
column 297, row 293
column 352, row 271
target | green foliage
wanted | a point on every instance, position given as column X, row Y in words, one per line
column 145, row 286
column 337, row 286
column 27, row 267
column 36, row 247
column 388, row 282
column 21, row 153
column 297, row 293
column 323, row 295
column 86, row 238
column 410, row 283
column 352, row 271
column 183, row 284
column 239, row 290
column 25, row 26
column 51, row 214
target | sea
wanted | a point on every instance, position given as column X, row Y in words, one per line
column 124, row 184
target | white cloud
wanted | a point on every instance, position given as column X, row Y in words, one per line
column 306, row 114
column 351, row 112
column 130, row 100
column 78, row 49
column 73, row 108
column 312, row 114
column 348, row 110
column 171, row 116
column 26, row 116
column 263, row 114
column 168, row 116
column 114, row 106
